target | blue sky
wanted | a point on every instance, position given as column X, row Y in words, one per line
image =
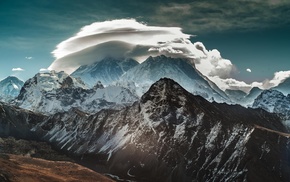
column 252, row 34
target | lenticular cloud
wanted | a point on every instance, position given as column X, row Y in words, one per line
column 118, row 38
column 128, row 38
column 126, row 30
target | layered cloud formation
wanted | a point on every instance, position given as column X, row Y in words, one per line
column 127, row 38
column 119, row 38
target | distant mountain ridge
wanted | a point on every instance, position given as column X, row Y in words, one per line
column 53, row 92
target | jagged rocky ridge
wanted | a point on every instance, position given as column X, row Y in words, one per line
column 53, row 92
column 169, row 135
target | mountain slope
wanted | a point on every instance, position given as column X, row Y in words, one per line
column 10, row 88
column 179, row 70
column 107, row 71
column 249, row 99
column 235, row 95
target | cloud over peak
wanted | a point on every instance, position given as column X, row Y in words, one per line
column 119, row 38
column 127, row 38
column 123, row 30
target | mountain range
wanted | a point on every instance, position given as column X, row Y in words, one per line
column 52, row 92
column 159, row 120
column 168, row 135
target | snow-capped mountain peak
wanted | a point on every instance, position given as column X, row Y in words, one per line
column 10, row 88
column 108, row 70
column 178, row 69
column 276, row 102
column 269, row 99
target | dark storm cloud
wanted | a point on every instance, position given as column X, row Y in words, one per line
column 208, row 16
column 195, row 16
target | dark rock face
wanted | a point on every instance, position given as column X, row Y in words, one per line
column 17, row 122
column 171, row 135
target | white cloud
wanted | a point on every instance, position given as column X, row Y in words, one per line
column 232, row 84
column 212, row 64
column 43, row 70
column 17, row 69
column 279, row 77
column 249, row 70
column 119, row 38
column 28, row 57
